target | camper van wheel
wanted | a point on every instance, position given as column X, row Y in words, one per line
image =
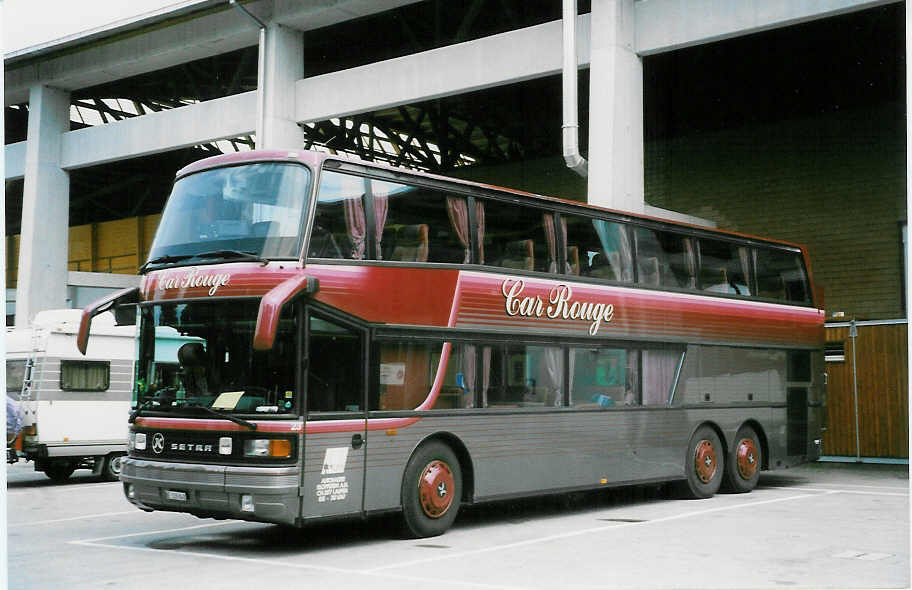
column 112, row 465
column 60, row 471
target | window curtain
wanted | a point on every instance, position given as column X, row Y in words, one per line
column 355, row 225
column 486, row 354
column 381, row 207
column 690, row 263
column 554, row 369
column 458, row 212
column 468, row 376
column 658, row 375
column 548, row 221
column 744, row 256
column 84, row 377
column 480, row 220
column 551, row 238
column 616, row 244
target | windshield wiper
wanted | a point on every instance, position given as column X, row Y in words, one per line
column 234, row 419
column 165, row 259
column 232, row 254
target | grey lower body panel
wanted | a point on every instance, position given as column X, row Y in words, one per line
column 214, row 490
column 73, row 450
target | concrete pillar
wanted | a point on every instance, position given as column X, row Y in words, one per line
column 615, row 109
column 43, row 247
column 284, row 66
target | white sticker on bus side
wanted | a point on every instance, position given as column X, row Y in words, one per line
column 332, row 489
column 334, row 460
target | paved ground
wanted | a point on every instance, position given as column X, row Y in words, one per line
column 817, row 526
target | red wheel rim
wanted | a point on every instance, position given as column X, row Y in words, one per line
column 435, row 489
column 746, row 458
column 705, row 461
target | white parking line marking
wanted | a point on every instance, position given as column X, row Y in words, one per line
column 158, row 532
column 301, row 566
column 594, row 530
column 856, row 492
column 85, row 517
column 72, row 488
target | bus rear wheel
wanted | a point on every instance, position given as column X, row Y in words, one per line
column 742, row 470
column 704, row 464
column 431, row 490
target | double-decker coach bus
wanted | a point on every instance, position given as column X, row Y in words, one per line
column 363, row 339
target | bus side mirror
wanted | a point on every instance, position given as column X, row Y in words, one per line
column 130, row 295
column 271, row 307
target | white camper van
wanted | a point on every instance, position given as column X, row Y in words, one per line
column 74, row 408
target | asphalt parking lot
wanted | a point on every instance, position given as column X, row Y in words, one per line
column 823, row 525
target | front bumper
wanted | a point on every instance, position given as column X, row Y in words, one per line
column 214, row 491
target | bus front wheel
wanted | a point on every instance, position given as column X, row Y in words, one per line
column 431, row 490
column 704, row 464
column 742, row 470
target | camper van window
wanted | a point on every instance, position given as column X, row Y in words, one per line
column 15, row 375
column 85, row 375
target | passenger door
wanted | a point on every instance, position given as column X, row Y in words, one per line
column 335, row 428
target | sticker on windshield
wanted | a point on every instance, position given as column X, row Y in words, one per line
column 227, row 400
column 334, row 460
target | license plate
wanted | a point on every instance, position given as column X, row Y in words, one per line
column 175, row 495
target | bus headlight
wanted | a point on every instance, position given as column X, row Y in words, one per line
column 279, row 448
column 140, row 441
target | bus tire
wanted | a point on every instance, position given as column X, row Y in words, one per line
column 742, row 469
column 112, row 466
column 431, row 490
column 60, row 471
column 704, row 464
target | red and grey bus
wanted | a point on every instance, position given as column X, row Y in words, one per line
column 361, row 339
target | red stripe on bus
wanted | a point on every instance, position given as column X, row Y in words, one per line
column 215, row 424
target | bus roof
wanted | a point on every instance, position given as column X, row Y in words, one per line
column 317, row 159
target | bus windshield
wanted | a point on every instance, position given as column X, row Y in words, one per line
column 216, row 366
column 255, row 209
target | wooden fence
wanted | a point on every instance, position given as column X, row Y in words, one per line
column 881, row 357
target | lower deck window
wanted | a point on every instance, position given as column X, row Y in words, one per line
column 609, row 377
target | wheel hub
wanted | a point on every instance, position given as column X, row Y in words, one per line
column 435, row 488
column 746, row 458
column 705, row 461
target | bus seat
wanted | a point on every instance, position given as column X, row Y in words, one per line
column 519, row 254
column 649, row 271
column 411, row 243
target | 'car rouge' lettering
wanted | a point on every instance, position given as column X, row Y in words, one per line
column 561, row 305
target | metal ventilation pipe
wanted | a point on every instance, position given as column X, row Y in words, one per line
column 570, row 128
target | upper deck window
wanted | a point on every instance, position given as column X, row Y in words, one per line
column 253, row 208
column 781, row 276
column 410, row 224
column 664, row 259
column 724, row 268
column 598, row 248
